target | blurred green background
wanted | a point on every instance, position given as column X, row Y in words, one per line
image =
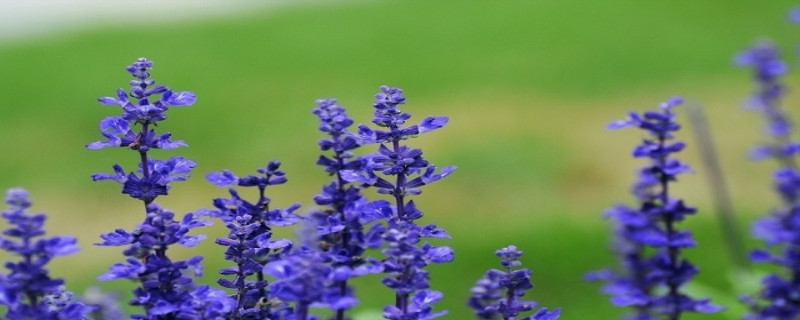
column 529, row 87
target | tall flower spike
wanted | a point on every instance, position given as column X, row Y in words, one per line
column 779, row 229
column 144, row 105
column 165, row 291
column 340, row 234
column 497, row 295
column 406, row 256
column 651, row 282
column 28, row 291
column 768, row 68
column 249, row 243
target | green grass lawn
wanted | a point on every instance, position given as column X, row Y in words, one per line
column 529, row 87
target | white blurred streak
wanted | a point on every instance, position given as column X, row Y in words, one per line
column 19, row 18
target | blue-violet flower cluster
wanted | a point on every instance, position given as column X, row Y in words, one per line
column 249, row 243
column 406, row 256
column 768, row 67
column 144, row 105
column 310, row 277
column 27, row 291
column 165, row 291
column 647, row 237
column 341, row 237
column 778, row 298
column 270, row 278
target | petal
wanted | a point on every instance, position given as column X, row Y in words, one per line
column 432, row 123
column 222, row 179
column 183, row 98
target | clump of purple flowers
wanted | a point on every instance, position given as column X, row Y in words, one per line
column 165, row 291
column 249, row 243
column 497, row 295
column 27, row 290
column 647, row 237
column 768, row 68
column 779, row 229
column 270, row 278
column 339, row 225
column 310, row 277
column 406, row 256
column 144, row 105
column 276, row 279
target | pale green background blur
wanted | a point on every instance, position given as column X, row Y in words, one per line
column 529, row 87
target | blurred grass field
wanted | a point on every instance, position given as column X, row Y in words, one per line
column 529, row 87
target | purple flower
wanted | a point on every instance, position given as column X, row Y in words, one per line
column 146, row 106
column 306, row 278
column 389, row 116
column 780, row 228
column 142, row 106
column 340, row 235
column 651, row 279
column 145, row 188
column 166, row 291
column 156, row 182
column 206, row 303
column 765, row 61
column 407, row 257
column 335, row 122
column 498, row 293
column 249, row 243
column 399, row 171
column 410, row 169
column 419, row 308
column 28, row 291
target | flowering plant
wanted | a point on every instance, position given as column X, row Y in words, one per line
column 647, row 238
column 269, row 278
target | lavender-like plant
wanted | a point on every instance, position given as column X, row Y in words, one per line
column 497, row 295
column 768, row 67
column 340, row 225
column 28, row 291
column 647, row 237
column 249, row 243
column 406, row 257
column 165, row 291
column 146, row 110
column 780, row 229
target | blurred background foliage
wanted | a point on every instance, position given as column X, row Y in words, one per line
column 529, row 87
